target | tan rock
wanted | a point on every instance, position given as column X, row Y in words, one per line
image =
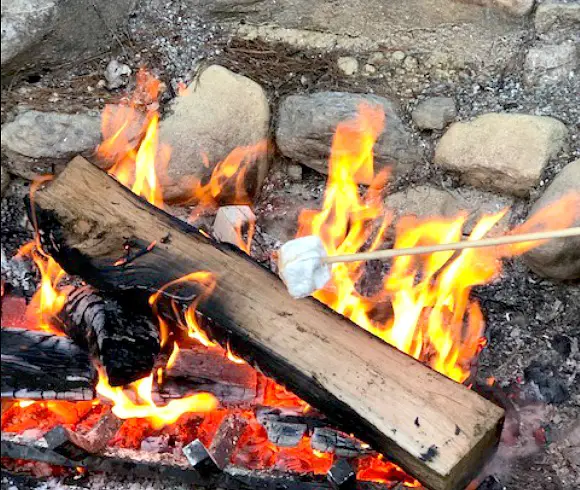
column 555, row 15
column 430, row 202
column 348, row 65
column 220, row 112
column 503, row 152
column 559, row 259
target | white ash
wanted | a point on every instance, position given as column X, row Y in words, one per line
column 17, row 272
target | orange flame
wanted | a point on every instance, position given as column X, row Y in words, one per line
column 130, row 141
column 232, row 357
column 433, row 317
column 47, row 301
column 144, row 407
column 207, row 282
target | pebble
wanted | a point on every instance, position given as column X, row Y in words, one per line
column 348, row 65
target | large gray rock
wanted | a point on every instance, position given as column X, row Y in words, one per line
column 555, row 20
column 306, row 125
column 504, row 152
column 37, row 134
column 426, row 201
column 221, row 111
column 551, row 63
column 559, row 259
column 434, row 113
column 43, row 32
column 473, row 34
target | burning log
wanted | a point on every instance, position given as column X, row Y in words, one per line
column 42, row 366
column 126, row 343
column 436, row 429
column 199, row 369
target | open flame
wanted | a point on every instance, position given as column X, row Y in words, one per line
column 131, row 142
column 424, row 307
column 47, row 301
column 143, row 406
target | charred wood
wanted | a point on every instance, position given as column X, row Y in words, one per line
column 43, row 366
column 129, row 463
column 75, row 446
column 217, row 456
column 364, row 385
column 126, row 343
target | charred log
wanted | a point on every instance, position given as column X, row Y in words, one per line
column 364, row 385
column 126, row 343
column 43, row 366
column 76, row 446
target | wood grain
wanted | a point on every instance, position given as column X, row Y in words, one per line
column 364, row 385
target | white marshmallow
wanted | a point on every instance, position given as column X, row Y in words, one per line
column 301, row 267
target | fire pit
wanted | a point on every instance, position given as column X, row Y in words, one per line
column 158, row 345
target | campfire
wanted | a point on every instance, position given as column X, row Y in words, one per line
column 179, row 355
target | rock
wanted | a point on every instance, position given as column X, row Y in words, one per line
column 376, row 59
column 554, row 19
column 410, row 63
column 551, row 63
column 434, row 113
column 469, row 34
column 558, row 259
column 306, row 125
column 397, row 57
column 51, row 134
column 232, row 220
column 294, row 172
column 117, row 74
column 4, row 180
column 41, row 33
column 348, row 65
column 220, row 112
column 515, row 7
column 370, row 69
column 426, row 201
column 504, row 152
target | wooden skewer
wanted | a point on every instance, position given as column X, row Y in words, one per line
column 442, row 247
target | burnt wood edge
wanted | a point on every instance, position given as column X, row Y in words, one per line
column 224, row 331
column 232, row 478
column 27, row 359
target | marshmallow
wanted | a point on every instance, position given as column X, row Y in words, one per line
column 301, row 267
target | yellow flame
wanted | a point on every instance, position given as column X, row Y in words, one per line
column 424, row 307
column 47, row 301
column 144, row 407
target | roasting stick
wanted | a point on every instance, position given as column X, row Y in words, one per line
column 305, row 267
column 442, row 247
